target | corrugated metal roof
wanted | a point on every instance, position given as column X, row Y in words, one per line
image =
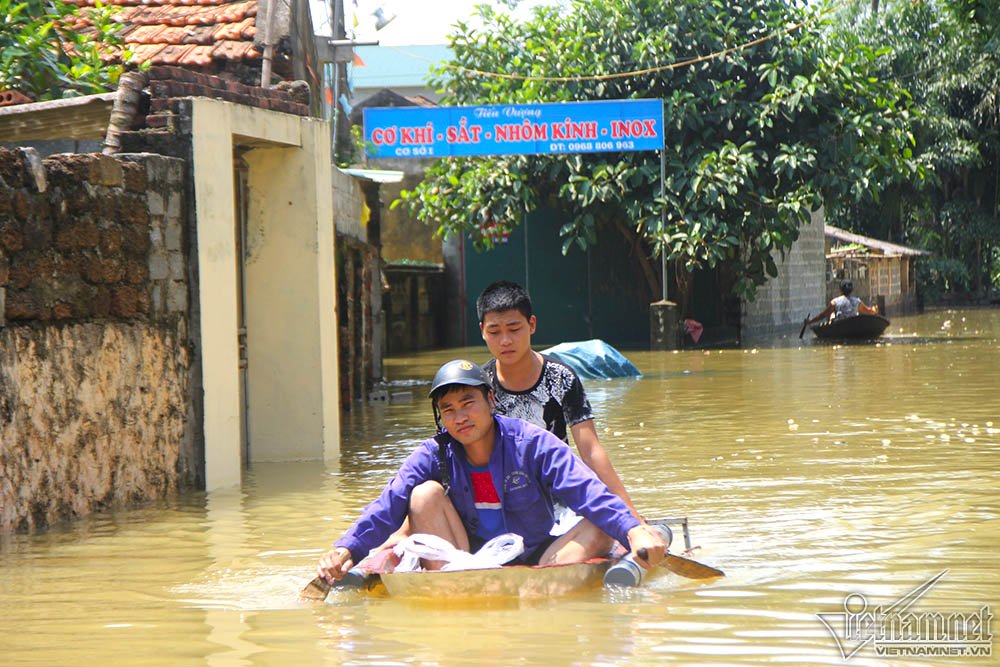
column 883, row 247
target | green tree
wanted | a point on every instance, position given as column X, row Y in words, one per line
column 756, row 136
column 44, row 55
column 947, row 54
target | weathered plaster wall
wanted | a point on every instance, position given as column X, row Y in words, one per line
column 404, row 237
column 290, row 196
column 94, row 361
column 783, row 302
column 91, row 417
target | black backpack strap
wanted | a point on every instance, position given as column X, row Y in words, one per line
column 442, row 441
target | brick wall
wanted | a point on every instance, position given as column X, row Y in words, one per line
column 95, row 372
column 168, row 85
column 91, row 237
column 783, row 302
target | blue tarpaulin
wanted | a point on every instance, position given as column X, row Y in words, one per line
column 593, row 359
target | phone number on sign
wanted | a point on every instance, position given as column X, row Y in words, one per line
column 574, row 146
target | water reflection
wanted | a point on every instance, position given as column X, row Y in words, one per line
column 808, row 472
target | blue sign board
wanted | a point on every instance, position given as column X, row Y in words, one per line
column 514, row 129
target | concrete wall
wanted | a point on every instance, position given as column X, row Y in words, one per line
column 95, row 373
column 783, row 302
column 348, row 205
column 290, row 293
column 288, row 273
column 404, row 237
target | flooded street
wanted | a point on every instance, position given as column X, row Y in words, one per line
column 809, row 472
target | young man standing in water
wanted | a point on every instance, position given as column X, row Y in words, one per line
column 535, row 388
column 486, row 475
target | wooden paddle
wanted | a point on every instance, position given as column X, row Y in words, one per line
column 358, row 577
column 805, row 323
column 685, row 567
column 317, row 589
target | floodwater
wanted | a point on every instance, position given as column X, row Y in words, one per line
column 809, row 473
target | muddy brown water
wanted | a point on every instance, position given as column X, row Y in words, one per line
column 809, row 473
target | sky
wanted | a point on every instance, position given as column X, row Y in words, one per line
column 415, row 22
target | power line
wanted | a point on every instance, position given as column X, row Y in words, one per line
column 639, row 72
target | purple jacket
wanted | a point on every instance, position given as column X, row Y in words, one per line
column 530, row 468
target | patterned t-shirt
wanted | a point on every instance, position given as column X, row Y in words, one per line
column 556, row 402
column 845, row 306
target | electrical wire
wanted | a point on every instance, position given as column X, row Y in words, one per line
column 639, row 72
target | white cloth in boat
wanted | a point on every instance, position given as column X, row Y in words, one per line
column 501, row 549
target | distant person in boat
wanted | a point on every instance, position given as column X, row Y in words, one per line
column 844, row 306
column 536, row 388
column 484, row 475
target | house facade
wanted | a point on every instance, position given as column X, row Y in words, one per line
column 883, row 273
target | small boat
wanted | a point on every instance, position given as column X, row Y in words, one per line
column 858, row 327
column 376, row 575
column 513, row 581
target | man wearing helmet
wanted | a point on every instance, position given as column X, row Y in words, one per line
column 844, row 305
column 485, row 475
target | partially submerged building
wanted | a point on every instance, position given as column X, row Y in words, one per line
column 883, row 273
column 168, row 309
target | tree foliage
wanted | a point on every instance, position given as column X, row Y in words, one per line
column 947, row 54
column 756, row 137
column 42, row 56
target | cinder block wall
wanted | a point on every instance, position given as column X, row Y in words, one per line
column 94, row 351
column 800, row 289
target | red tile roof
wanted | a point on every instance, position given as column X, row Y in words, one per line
column 183, row 32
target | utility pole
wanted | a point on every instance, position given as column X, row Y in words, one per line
column 339, row 51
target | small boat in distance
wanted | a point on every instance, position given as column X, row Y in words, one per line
column 857, row 327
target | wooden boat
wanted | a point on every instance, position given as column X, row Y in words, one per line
column 859, row 327
column 376, row 574
column 516, row 581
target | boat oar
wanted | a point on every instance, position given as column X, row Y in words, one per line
column 805, row 323
column 362, row 575
column 317, row 589
column 685, row 567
